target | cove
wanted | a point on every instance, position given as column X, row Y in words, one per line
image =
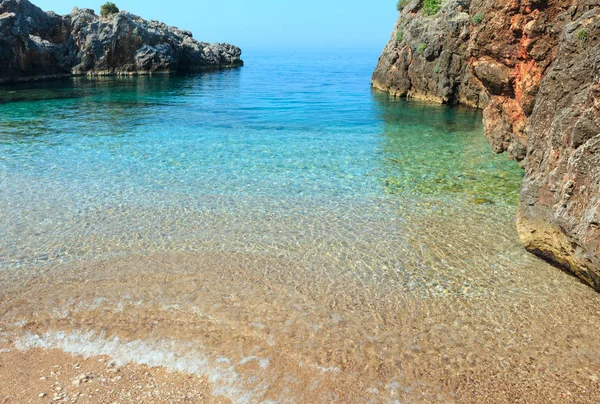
column 284, row 231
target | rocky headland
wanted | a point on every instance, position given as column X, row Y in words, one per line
column 38, row 45
column 533, row 67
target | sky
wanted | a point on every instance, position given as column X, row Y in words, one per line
column 322, row 24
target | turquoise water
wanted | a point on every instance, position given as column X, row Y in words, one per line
column 280, row 127
column 359, row 248
column 288, row 129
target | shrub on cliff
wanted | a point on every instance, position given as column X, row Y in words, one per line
column 430, row 7
column 108, row 9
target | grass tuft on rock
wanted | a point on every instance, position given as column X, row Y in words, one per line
column 478, row 18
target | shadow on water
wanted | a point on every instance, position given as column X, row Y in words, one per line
column 80, row 87
column 440, row 151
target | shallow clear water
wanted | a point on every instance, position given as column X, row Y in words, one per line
column 284, row 230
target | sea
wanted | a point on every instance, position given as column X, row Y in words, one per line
column 285, row 231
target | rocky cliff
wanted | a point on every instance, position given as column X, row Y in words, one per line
column 35, row 44
column 534, row 67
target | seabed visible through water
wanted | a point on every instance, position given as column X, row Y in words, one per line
column 322, row 244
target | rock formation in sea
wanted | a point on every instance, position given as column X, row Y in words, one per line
column 534, row 68
column 35, row 44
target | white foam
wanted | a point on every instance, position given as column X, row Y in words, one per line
column 333, row 369
column 174, row 356
column 263, row 362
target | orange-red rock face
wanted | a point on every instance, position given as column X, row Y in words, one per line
column 509, row 53
column 533, row 66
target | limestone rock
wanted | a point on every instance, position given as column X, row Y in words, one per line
column 425, row 57
column 32, row 43
column 35, row 44
column 559, row 216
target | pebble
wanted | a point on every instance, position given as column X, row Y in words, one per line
column 42, row 395
column 82, row 378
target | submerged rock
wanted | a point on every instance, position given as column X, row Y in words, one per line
column 35, row 44
column 532, row 66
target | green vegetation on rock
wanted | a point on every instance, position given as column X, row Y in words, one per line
column 582, row 35
column 478, row 18
column 400, row 5
column 399, row 35
column 431, row 7
column 421, row 48
column 108, row 9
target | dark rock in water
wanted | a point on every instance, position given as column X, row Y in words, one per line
column 35, row 45
column 533, row 67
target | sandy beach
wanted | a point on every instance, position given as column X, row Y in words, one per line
column 44, row 376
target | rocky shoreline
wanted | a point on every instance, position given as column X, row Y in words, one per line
column 532, row 67
column 36, row 45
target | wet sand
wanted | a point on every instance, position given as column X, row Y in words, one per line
column 257, row 337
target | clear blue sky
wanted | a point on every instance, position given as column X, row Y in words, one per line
column 364, row 24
